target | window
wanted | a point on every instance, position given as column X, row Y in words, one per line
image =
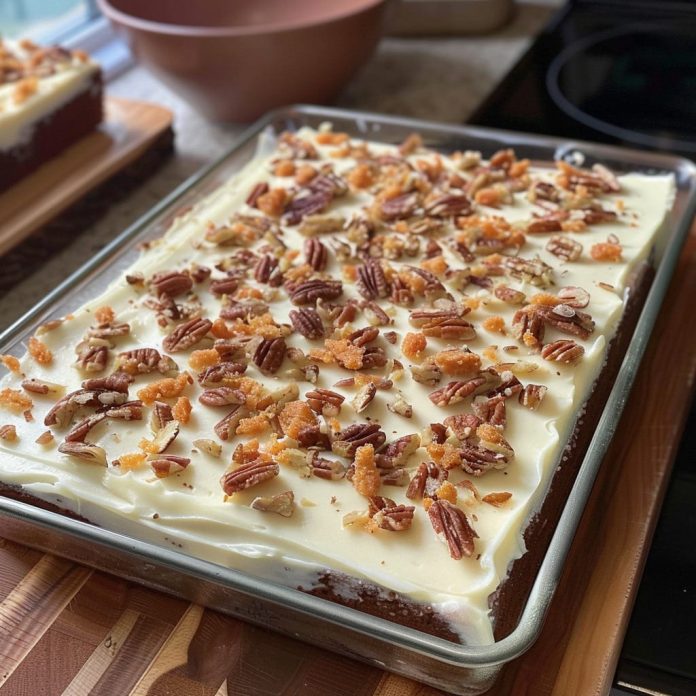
column 72, row 23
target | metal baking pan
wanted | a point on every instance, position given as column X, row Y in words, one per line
column 456, row 668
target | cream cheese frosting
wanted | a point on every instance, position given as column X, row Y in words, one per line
column 189, row 509
column 25, row 101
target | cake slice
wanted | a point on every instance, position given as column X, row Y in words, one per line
column 50, row 97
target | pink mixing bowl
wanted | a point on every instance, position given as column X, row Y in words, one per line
column 235, row 59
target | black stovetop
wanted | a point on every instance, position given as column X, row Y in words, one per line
column 625, row 73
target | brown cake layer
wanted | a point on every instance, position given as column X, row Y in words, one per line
column 54, row 133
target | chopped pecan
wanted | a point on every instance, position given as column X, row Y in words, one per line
column 565, row 351
column 109, row 330
column 397, row 453
column 491, row 411
column 400, row 406
column 364, row 397
column 575, row 297
column 564, row 248
column 85, row 451
column 307, row 321
column 167, row 464
column 270, row 354
column 118, row 381
column 128, row 411
column 398, row 207
column 532, row 395
column 140, row 361
column 316, row 254
column 164, row 437
column 362, row 337
column 356, row 435
column 265, row 268
column 533, row 271
column 306, row 205
column 248, row 475
column 510, row 296
column 509, row 386
column 256, row 192
column 390, row 516
column 376, row 315
column 476, row 460
column 463, row 425
column 310, row 291
column 187, row 335
column 79, row 432
column 172, row 283
column 92, row 355
column 222, row 396
column 224, row 286
column 372, row 283
column 325, row 401
column 544, row 225
column 315, row 225
column 8, row 432
column 39, row 386
column 216, row 374
column 374, row 356
column 227, row 427
column 568, row 320
column 327, row 468
column 452, row 528
column 214, row 449
column 528, row 326
column 454, row 392
column 428, row 372
column 449, row 205
column 282, row 504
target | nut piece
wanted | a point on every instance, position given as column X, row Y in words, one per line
column 510, row 296
column 400, row 406
column 141, row 361
column 388, row 515
column 427, row 479
column 227, row 427
column 312, row 290
column 454, row 392
column 39, row 386
column 532, row 395
column 307, row 321
column 214, row 449
column 476, row 461
column 372, row 283
column 565, row 351
column 85, row 451
column 270, row 354
column 167, row 464
column 8, row 433
column 324, row 401
column 216, row 375
column 528, row 326
column 427, row 373
column 187, row 335
column 356, row 435
column 222, row 396
column 172, row 283
column 316, row 254
column 452, row 528
column 248, row 475
column 164, row 437
column 282, row 504
column 575, row 297
column 364, row 397
column 564, row 248
column 79, row 432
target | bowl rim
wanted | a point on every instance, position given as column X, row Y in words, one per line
column 130, row 21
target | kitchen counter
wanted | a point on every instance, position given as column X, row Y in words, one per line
column 82, row 631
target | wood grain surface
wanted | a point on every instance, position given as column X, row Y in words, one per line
column 129, row 128
column 65, row 629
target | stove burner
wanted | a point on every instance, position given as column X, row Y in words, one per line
column 636, row 83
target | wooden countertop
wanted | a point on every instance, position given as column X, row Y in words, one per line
column 68, row 629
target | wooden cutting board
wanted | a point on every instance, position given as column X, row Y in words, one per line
column 66, row 629
column 128, row 130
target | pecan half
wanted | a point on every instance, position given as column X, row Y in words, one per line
column 324, row 401
column 172, row 283
column 85, row 451
column 282, row 504
column 306, row 205
column 449, row 205
column 564, row 248
column 248, row 475
column 92, row 356
column 109, row 330
column 224, row 286
column 528, row 326
column 476, row 460
column 398, row 207
column 216, row 374
column 118, row 381
column 452, row 528
column 265, row 267
column 167, row 464
column 568, row 320
column 187, row 335
column 356, row 435
column 128, row 411
column 575, row 297
column 270, row 354
column 222, row 396
column 454, row 392
column 307, row 321
column 312, row 290
column 565, row 351
column 141, row 361
column 316, row 254
column 371, row 282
